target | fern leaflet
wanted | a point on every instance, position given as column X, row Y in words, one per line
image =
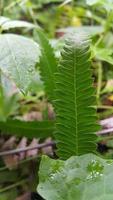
column 75, row 116
column 48, row 63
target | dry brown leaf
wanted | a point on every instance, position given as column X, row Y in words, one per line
column 33, row 116
column 9, row 144
column 47, row 150
column 33, row 152
column 107, row 123
column 22, row 144
column 11, row 161
column 51, row 114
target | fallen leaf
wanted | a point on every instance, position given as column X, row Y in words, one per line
column 33, row 152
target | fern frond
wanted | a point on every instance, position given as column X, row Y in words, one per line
column 48, row 63
column 75, row 117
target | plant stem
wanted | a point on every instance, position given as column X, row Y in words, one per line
column 12, row 5
column 104, row 107
column 13, row 185
column 99, row 83
column 2, row 7
column 32, row 16
column 99, row 40
column 16, row 151
column 21, row 162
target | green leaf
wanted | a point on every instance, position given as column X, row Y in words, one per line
column 48, row 63
column 75, row 96
column 8, row 104
column 7, row 23
column 103, row 54
column 17, row 24
column 3, row 20
column 79, row 178
column 18, row 57
column 107, row 4
column 33, row 129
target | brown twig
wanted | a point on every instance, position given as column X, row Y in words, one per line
column 17, row 151
column 105, row 131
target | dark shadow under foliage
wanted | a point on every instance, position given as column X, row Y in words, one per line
column 36, row 196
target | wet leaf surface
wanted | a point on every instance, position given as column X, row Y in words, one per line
column 84, row 177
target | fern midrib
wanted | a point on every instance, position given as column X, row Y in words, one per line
column 75, row 92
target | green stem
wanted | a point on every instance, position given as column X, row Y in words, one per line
column 32, row 15
column 2, row 7
column 99, row 83
column 22, row 162
column 108, row 21
column 104, row 107
column 13, row 185
column 99, row 40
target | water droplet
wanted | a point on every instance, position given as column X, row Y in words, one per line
column 52, row 176
column 30, row 70
column 95, row 169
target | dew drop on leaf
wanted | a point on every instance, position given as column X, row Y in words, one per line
column 95, row 169
column 30, row 70
column 52, row 176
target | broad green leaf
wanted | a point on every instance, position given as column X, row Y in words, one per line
column 48, row 63
column 86, row 177
column 76, row 121
column 33, row 129
column 3, row 20
column 18, row 57
column 17, row 24
column 7, row 23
